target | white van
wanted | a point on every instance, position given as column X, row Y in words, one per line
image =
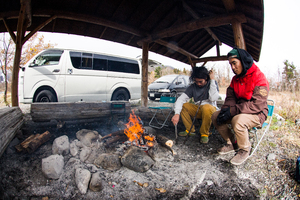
column 60, row 75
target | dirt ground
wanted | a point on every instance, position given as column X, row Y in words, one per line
column 195, row 172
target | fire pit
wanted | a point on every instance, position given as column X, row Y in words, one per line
column 194, row 172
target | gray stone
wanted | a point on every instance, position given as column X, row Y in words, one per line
column 271, row 157
column 95, row 152
column 52, row 166
column 160, row 153
column 92, row 168
column 61, row 145
column 85, row 153
column 137, row 160
column 96, row 182
column 209, row 183
column 74, row 148
column 108, row 161
column 87, row 137
column 82, row 179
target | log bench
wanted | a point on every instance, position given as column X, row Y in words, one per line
column 11, row 120
column 79, row 111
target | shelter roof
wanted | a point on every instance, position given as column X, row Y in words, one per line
column 179, row 29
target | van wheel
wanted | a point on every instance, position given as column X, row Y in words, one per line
column 152, row 98
column 120, row 95
column 45, row 96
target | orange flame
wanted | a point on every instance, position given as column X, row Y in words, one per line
column 134, row 129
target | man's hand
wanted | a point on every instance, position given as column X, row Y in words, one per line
column 223, row 116
column 175, row 119
column 211, row 74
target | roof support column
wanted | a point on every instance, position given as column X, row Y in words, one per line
column 21, row 29
column 144, row 89
column 238, row 35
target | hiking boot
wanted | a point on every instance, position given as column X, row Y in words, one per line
column 204, row 139
column 185, row 133
column 240, row 157
column 228, row 148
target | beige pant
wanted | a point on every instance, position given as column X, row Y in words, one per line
column 205, row 112
column 240, row 123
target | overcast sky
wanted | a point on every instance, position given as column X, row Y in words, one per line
column 280, row 41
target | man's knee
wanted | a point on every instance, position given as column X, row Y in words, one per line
column 214, row 116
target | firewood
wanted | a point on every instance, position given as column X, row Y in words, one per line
column 20, row 147
column 120, row 132
column 164, row 140
column 121, row 138
column 37, row 141
column 31, row 143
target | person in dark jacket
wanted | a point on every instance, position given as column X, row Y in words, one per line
column 245, row 105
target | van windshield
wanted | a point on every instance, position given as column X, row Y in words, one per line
column 49, row 57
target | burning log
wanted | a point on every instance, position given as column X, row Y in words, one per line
column 31, row 143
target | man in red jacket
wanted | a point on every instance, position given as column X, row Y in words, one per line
column 245, row 105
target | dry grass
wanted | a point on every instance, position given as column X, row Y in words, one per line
column 287, row 104
column 2, row 103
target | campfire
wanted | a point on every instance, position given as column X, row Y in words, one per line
column 137, row 135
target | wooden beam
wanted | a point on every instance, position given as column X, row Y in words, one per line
column 197, row 24
column 90, row 19
column 11, row 33
column 38, row 28
column 229, row 5
column 175, row 48
column 236, row 25
column 206, row 59
column 218, row 49
column 27, row 4
column 144, row 89
column 196, row 16
column 238, row 35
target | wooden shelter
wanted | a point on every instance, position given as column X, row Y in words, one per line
column 180, row 29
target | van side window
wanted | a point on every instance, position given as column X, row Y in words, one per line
column 124, row 65
column 82, row 60
column 100, row 62
column 76, row 59
column 50, row 57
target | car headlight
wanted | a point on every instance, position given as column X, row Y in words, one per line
column 163, row 90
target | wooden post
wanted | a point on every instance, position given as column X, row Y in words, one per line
column 218, row 48
column 238, row 35
column 15, row 76
column 144, row 89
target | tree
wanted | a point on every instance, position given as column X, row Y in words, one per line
column 158, row 72
column 33, row 46
column 289, row 76
column 176, row 71
column 6, row 60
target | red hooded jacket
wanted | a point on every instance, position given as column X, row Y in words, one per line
column 248, row 94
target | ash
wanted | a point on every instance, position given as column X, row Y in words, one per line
column 196, row 172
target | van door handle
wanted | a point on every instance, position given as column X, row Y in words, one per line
column 56, row 70
column 70, row 71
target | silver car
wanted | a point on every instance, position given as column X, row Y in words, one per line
column 173, row 84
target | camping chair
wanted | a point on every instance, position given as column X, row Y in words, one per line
column 163, row 111
column 267, row 123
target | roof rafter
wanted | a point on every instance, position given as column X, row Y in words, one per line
column 195, row 25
